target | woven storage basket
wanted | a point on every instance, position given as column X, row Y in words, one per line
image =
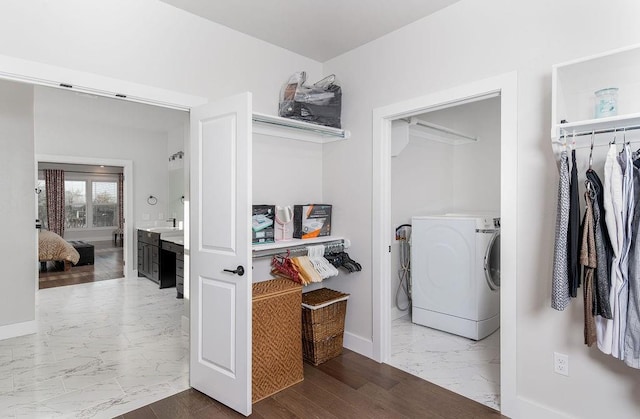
column 277, row 348
column 323, row 313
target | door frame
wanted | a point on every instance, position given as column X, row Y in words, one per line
column 127, row 167
column 506, row 86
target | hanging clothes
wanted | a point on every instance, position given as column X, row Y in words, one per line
column 613, row 220
column 560, row 279
column 604, row 252
column 620, row 289
column 632, row 332
column 574, row 229
column 588, row 259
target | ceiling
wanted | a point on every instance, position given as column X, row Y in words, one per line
column 318, row 30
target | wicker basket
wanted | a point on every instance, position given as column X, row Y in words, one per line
column 277, row 351
column 323, row 313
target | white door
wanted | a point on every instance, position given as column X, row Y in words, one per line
column 220, row 243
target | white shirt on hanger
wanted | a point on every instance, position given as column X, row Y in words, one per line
column 613, row 220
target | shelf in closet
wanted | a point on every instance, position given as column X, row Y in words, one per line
column 296, row 130
column 574, row 85
column 284, row 245
column 614, row 122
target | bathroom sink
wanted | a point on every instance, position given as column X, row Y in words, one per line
column 178, row 234
column 167, row 232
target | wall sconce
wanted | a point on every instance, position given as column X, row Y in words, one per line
column 177, row 155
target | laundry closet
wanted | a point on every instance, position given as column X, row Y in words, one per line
column 446, row 162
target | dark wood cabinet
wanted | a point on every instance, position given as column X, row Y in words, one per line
column 161, row 261
column 180, row 275
column 172, row 256
column 149, row 255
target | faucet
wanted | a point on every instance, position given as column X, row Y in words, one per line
column 173, row 221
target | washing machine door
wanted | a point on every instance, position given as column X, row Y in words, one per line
column 492, row 262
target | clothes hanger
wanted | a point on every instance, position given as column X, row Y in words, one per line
column 593, row 133
column 614, row 137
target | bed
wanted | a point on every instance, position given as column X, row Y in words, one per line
column 53, row 248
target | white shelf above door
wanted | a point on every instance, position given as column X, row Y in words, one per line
column 276, row 126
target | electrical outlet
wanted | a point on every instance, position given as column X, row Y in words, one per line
column 561, row 363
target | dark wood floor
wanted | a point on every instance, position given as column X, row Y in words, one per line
column 350, row 386
column 107, row 265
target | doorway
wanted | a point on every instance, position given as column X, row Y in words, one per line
column 447, row 332
column 505, row 88
column 139, row 293
column 94, row 209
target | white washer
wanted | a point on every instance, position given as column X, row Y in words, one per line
column 455, row 273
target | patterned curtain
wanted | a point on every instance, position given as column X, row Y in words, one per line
column 121, row 202
column 54, row 185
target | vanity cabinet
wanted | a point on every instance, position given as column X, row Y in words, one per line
column 149, row 255
column 172, row 270
column 180, row 275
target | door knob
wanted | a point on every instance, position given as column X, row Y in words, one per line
column 238, row 271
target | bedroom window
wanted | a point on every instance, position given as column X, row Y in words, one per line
column 105, row 204
column 75, row 203
column 91, row 202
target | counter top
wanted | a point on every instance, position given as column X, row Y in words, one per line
column 174, row 239
column 162, row 230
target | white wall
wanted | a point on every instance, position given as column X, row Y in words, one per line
column 61, row 130
column 285, row 172
column 177, row 171
column 17, row 209
column 473, row 40
column 475, row 175
column 430, row 177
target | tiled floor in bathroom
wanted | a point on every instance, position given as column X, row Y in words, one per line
column 101, row 349
column 464, row 366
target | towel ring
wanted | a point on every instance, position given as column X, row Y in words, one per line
column 152, row 200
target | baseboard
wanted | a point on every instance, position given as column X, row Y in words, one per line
column 528, row 409
column 358, row 344
column 18, row 329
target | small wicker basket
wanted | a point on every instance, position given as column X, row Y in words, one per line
column 323, row 314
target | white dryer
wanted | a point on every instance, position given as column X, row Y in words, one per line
column 455, row 273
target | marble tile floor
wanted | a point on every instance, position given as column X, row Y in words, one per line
column 101, row 349
column 461, row 365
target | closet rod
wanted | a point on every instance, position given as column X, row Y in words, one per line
column 568, row 134
column 329, row 247
column 578, row 147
